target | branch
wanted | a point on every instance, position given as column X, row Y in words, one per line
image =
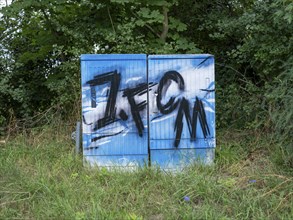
column 111, row 20
column 165, row 24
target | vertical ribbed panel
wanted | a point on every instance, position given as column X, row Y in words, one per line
column 110, row 134
column 182, row 113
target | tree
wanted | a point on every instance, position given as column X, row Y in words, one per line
column 44, row 40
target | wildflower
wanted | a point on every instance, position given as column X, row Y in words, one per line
column 186, row 199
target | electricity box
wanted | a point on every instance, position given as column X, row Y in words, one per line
column 142, row 110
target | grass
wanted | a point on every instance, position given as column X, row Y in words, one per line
column 42, row 178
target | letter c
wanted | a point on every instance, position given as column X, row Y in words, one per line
column 171, row 104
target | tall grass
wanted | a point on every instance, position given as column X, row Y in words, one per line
column 42, row 178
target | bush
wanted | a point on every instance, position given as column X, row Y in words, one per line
column 280, row 102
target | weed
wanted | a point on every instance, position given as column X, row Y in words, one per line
column 42, row 178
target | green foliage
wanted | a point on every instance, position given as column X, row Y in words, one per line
column 280, row 102
column 41, row 178
column 251, row 40
column 44, row 39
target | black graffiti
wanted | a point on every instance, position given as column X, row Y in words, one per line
column 103, row 136
column 198, row 114
column 114, row 78
column 100, row 137
column 137, row 107
column 123, row 115
column 162, row 88
column 110, row 112
column 208, row 90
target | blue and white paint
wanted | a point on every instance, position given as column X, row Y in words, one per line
column 131, row 115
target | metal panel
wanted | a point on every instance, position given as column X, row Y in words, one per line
column 185, row 143
column 120, row 99
column 116, row 161
column 114, row 112
column 181, row 106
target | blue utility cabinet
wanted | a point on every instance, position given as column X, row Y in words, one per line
column 181, row 110
column 156, row 109
column 114, row 109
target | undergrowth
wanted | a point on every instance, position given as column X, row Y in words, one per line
column 42, row 178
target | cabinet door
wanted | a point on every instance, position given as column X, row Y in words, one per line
column 181, row 109
column 114, row 109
